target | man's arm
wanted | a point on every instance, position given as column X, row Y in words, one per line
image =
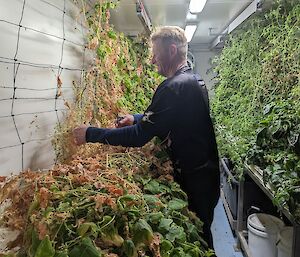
column 129, row 136
column 137, row 117
column 156, row 121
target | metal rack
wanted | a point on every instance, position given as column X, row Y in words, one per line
column 227, row 173
column 232, row 221
column 255, row 173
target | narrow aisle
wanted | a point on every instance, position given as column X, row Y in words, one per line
column 224, row 241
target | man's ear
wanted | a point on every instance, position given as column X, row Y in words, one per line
column 172, row 50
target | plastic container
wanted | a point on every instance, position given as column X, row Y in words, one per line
column 285, row 242
column 263, row 232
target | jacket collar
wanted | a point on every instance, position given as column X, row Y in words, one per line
column 182, row 70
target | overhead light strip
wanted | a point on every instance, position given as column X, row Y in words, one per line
column 244, row 15
column 143, row 16
column 252, row 8
column 189, row 31
column 196, row 6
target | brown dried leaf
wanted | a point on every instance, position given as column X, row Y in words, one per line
column 42, row 230
column 59, row 82
column 93, row 44
column 154, row 246
column 67, row 104
column 44, row 197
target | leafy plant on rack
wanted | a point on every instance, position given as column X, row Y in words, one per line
column 257, row 105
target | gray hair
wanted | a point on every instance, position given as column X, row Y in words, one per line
column 172, row 35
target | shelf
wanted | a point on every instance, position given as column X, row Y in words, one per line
column 232, row 221
column 257, row 176
column 243, row 243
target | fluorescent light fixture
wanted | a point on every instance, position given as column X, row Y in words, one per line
column 197, row 6
column 191, row 17
column 189, row 31
column 143, row 16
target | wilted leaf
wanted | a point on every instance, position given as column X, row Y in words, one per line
column 142, row 232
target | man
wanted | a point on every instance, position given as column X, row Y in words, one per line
column 179, row 116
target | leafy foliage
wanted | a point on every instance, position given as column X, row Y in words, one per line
column 120, row 80
column 87, row 208
column 257, row 107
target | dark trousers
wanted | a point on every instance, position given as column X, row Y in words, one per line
column 202, row 187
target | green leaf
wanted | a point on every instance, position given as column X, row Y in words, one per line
column 195, row 252
column 177, row 192
column 45, row 248
column 177, row 204
column 176, row 232
column 142, row 233
column 85, row 249
column 143, row 180
column 112, row 34
column 190, row 249
column 48, row 211
column 109, row 233
column 63, row 207
column 35, row 241
column 165, row 245
column 61, row 254
column 123, row 200
column 153, row 201
column 85, row 227
column 165, row 225
column 155, row 218
column 153, row 187
column 129, row 249
column 192, row 232
column 177, row 252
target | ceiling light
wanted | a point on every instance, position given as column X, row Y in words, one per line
column 189, row 31
column 191, row 17
column 197, row 6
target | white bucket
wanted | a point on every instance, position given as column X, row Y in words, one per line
column 285, row 242
column 262, row 236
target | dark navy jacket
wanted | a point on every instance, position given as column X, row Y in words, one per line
column 179, row 116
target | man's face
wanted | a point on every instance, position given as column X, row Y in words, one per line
column 161, row 58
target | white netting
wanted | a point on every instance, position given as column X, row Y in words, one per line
column 42, row 52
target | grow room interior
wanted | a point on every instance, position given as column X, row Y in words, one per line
column 69, row 62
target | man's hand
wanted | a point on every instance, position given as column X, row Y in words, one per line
column 126, row 120
column 79, row 134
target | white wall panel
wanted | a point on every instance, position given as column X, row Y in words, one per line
column 11, row 160
column 38, row 48
column 5, row 105
column 72, row 56
column 8, row 39
column 50, row 21
column 11, row 7
column 28, row 85
column 38, row 155
column 8, row 133
column 203, row 66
